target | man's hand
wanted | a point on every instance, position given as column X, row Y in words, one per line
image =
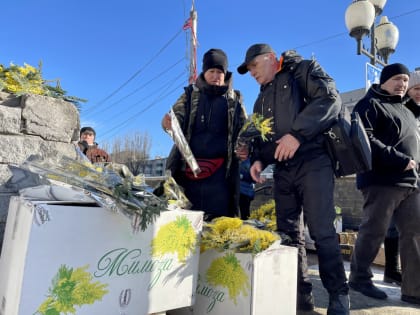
column 166, row 122
column 255, row 171
column 411, row 165
column 286, row 147
column 84, row 145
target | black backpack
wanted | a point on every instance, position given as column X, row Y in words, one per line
column 346, row 140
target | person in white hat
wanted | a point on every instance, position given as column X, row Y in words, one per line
column 414, row 86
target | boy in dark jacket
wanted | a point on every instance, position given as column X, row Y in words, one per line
column 90, row 148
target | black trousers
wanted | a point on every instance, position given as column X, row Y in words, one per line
column 308, row 186
column 213, row 195
column 381, row 205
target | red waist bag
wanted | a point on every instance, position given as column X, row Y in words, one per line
column 207, row 166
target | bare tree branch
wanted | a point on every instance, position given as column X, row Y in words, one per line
column 133, row 150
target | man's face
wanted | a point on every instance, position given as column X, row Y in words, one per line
column 262, row 68
column 87, row 136
column 214, row 76
column 414, row 93
column 396, row 85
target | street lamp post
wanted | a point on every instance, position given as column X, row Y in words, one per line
column 360, row 21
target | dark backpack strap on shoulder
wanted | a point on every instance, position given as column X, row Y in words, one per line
column 301, row 75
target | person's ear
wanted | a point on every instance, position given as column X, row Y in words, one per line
column 271, row 57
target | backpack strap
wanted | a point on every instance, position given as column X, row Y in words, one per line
column 301, row 76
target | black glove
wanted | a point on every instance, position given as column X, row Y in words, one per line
column 84, row 146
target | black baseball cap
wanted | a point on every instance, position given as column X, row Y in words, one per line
column 252, row 52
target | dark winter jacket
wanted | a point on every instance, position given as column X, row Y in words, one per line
column 394, row 138
column 303, row 101
column 203, row 93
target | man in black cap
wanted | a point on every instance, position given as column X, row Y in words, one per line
column 303, row 102
column 90, row 148
column 390, row 189
column 211, row 115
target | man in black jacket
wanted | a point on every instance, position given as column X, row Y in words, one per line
column 303, row 102
column 390, row 189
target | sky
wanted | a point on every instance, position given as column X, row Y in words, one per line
column 130, row 58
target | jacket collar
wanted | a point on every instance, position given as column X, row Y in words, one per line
column 376, row 91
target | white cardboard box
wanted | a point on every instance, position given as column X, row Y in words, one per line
column 42, row 236
column 270, row 287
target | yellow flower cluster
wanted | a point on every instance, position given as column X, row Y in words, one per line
column 264, row 126
column 175, row 237
column 224, row 224
column 232, row 233
column 19, row 80
column 226, row 271
column 71, row 288
column 266, row 214
column 27, row 79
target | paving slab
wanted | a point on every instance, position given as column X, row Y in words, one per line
column 360, row 304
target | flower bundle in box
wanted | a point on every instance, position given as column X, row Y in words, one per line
column 233, row 233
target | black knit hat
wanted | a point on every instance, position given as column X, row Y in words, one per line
column 393, row 69
column 84, row 129
column 215, row 58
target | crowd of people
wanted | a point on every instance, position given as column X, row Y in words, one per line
column 211, row 114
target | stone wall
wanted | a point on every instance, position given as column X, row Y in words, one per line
column 346, row 196
column 350, row 200
column 32, row 124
